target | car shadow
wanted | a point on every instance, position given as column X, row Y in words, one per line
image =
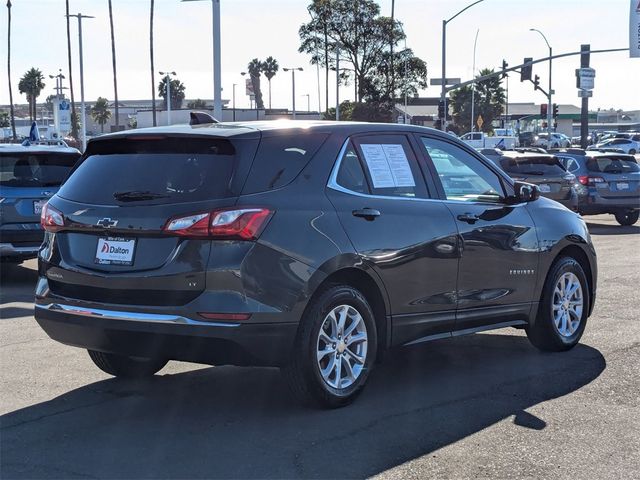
column 229, row 422
column 602, row 229
column 13, row 280
column 7, row 313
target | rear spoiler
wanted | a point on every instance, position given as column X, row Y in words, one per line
column 201, row 118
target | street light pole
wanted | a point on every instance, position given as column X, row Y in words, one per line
column 234, row 102
column 308, row 101
column 168, row 88
column 217, row 76
column 550, row 92
column 443, row 91
column 83, row 113
column 293, row 87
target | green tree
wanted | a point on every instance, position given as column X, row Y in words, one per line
column 177, row 92
column 196, row 104
column 355, row 29
column 391, row 79
column 5, row 120
column 100, row 112
column 255, row 68
column 489, row 102
column 31, row 84
column 270, row 67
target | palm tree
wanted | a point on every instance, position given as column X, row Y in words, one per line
column 113, row 61
column 31, row 84
column 74, row 116
column 153, row 76
column 13, row 119
column 255, row 68
column 100, row 112
column 270, row 68
column 177, row 92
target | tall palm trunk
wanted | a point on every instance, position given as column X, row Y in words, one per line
column 74, row 130
column 153, row 78
column 13, row 119
column 113, row 61
column 393, row 73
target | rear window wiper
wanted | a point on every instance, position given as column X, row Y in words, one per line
column 537, row 172
column 137, row 195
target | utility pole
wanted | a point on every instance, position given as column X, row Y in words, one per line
column 584, row 111
column 338, row 83
column 83, row 112
column 168, row 88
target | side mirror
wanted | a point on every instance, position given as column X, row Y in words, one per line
column 525, row 192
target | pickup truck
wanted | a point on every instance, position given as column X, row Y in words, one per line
column 482, row 140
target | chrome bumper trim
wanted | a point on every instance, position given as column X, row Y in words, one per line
column 131, row 316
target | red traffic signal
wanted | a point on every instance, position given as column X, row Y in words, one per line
column 543, row 110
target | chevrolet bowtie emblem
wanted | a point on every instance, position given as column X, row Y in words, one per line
column 107, row 223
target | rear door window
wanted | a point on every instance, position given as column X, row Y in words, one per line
column 173, row 170
column 35, row 169
column 280, row 158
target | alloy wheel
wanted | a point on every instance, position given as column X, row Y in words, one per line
column 568, row 302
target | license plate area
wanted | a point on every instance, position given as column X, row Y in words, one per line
column 115, row 251
column 544, row 188
column 37, row 206
column 622, row 186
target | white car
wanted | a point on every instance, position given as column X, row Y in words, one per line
column 624, row 145
column 558, row 140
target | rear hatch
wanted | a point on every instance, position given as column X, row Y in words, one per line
column 27, row 180
column 545, row 171
column 114, row 247
column 614, row 176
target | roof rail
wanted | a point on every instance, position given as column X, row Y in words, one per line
column 201, row 118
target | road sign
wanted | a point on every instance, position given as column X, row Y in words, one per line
column 585, row 93
column 479, row 122
column 585, row 78
column 450, row 81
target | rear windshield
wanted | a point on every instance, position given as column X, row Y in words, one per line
column 158, row 171
column 612, row 165
column 533, row 166
column 35, row 169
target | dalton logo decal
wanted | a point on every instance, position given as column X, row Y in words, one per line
column 105, row 248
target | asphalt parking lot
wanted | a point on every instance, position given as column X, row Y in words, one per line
column 488, row 405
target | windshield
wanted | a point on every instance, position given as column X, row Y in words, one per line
column 612, row 165
column 160, row 171
column 35, row 169
column 533, row 166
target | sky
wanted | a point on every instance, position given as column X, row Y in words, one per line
column 259, row 28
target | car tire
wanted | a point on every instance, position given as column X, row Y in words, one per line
column 628, row 217
column 562, row 314
column 316, row 379
column 126, row 367
column 632, row 152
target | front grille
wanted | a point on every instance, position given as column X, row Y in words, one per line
column 160, row 298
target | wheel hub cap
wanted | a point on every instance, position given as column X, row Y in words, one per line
column 342, row 347
column 568, row 302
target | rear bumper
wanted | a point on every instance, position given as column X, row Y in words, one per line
column 20, row 240
column 11, row 250
column 167, row 336
column 594, row 204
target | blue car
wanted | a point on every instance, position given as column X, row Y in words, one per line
column 29, row 175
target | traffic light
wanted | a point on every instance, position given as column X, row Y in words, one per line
column 440, row 109
column 543, row 110
column 536, row 83
column 525, row 71
column 555, row 110
column 505, row 65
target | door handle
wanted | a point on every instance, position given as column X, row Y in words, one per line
column 367, row 213
column 468, row 217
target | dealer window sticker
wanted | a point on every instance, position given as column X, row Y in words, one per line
column 388, row 165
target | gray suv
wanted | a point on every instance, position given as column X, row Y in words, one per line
column 607, row 183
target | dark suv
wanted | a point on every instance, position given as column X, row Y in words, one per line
column 311, row 246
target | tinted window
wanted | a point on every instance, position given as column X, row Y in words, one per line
column 158, row 171
column 390, row 166
column 612, row 165
column 570, row 163
column 533, row 166
column 35, row 170
column 463, row 176
column 350, row 175
column 280, row 159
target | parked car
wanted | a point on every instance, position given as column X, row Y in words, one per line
column 623, row 145
column 545, row 171
column 310, row 246
column 558, row 140
column 526, row 139
column 608, row 183
column 29, row 175
column 482, row 140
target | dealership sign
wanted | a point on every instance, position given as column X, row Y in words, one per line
column 634, row 29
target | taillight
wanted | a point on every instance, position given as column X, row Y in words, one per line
column 233, row 223
column 51, row 219
column 585, row 180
